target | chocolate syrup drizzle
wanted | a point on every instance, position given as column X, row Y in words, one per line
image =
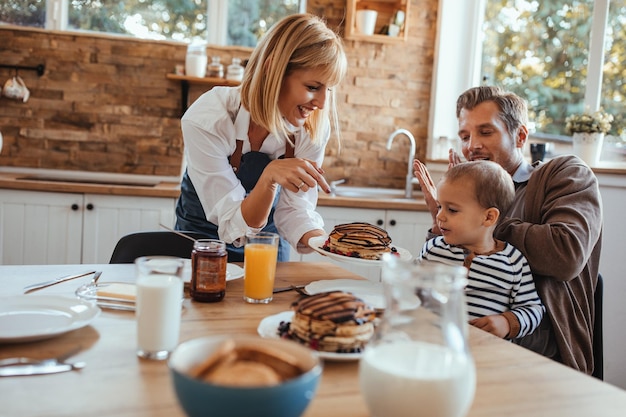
column 336, row 306
column 364, row 234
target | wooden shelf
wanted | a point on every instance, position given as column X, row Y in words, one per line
column 185, row 81
column 204, row 80
column 386, row 10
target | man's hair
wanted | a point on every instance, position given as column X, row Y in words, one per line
column 297, row 42
column 493, row 186
column 513, row 108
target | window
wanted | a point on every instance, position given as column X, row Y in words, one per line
column 541, row 50
column 220, row 22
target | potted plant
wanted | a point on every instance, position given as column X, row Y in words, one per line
column 588, row 130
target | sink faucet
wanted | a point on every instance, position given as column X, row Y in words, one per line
column 334, row 184
column 408, row 186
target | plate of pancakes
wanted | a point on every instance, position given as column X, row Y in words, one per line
column 336, row 324
column 318, row 244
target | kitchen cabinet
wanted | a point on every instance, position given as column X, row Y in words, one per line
column 386, row 9
column 407, row 230
column 613, row 191
column 57, row 228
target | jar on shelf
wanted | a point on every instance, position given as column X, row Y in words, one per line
column 216, row 69
column 196, row 60
column 234, row 71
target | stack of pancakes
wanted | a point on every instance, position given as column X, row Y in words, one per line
column 333, row 321
column 359, row 240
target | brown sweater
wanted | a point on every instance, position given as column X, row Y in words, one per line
column 556, row 222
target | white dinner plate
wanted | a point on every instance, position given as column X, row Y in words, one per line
column 232, row 271
column 25, row 318
column 268, row 329
column 316, row 243
column 368, row 291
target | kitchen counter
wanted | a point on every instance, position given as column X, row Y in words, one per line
column 139, row 187
column 412, row 204
column 145, row 186
column 149, row 186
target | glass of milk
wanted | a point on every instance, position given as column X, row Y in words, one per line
column 418, row 364
column 158, row 305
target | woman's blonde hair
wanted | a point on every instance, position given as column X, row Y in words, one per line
column 299, row 41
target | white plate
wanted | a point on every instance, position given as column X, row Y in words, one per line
column 368, row 291
column 268, row 329
column 316, row 243
column 25, row 318
column 232, row 271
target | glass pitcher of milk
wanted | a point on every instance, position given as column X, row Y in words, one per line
column 418, row 364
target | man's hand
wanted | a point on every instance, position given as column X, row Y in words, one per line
column 453, row 158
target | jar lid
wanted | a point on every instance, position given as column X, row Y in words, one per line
column 209, row 244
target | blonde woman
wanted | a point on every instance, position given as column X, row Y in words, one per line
column 254, row 152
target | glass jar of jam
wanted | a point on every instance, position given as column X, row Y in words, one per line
column 208, row 270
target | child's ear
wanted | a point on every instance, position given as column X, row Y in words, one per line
column 491, row 216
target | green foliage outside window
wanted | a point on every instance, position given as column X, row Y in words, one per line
column 23, row 12
column 180, row 20
column 539, row 50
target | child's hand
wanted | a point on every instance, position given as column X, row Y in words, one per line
column 495, row 324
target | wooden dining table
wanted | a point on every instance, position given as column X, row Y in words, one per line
column 511, row 381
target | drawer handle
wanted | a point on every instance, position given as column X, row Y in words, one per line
column 75, row 207
column 392, row 222
column 89, row 206
column 379, row 222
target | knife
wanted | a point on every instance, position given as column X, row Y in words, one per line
column 43, row 368
column 35, row 287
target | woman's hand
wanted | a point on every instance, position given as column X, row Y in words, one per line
column 430, row 191
column 296, row 174
column 303, row 244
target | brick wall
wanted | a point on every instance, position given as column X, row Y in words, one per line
column 104, row 104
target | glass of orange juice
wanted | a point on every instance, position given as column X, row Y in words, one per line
column 259, row 265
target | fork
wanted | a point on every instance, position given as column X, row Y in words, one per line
column 297, row 288
column 95, row 278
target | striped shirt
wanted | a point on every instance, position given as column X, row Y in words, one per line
column 497, row 282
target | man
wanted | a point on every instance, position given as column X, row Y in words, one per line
column 555, row 220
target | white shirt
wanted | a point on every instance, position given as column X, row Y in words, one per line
column 211, row 127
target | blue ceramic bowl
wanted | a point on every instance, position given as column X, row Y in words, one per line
column 204, row 399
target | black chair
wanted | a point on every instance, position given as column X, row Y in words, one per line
column 598, row 346
column 163, row 243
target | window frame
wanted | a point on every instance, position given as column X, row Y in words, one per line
column 458, row 54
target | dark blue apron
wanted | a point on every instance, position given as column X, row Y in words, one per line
column 190, row 215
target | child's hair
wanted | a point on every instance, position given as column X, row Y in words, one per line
column 493, row 186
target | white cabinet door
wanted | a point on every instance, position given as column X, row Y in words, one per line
column 59, row 228
column 408, row 229
column 40, row 227
column 107, row 218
